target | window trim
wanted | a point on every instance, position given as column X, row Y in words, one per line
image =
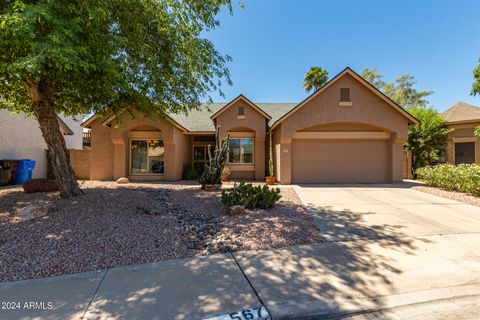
column 241, row 153
column 130, row 158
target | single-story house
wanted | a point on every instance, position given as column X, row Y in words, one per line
column 346, row 132
column 21, row 138
column 462, row 146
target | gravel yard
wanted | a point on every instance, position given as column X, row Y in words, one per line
column 113, row 225
column 454, row 195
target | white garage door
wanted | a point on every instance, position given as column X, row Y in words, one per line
column 339, row 161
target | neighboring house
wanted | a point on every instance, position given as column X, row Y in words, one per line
column 21, row 138
column 346, row 132
column 462, row 146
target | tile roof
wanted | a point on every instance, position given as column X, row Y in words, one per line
column 461, row 112
column 199, row 120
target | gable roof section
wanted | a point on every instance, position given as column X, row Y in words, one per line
column 64, row 128
column 200, row 121
column 87, row 123
column 367, row 84
column 461, row 112
column 250, row 103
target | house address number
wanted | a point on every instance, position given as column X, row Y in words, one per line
column 258, row 313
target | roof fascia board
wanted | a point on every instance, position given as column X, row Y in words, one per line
column 241, row 97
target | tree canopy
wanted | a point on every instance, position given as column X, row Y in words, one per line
column 76, row 57
column 105, row 56
column 476, row 80
column 402, row 90
column 427, row 138
column 315, row 78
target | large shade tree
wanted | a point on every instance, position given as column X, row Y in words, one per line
column 315, row 78
column 109, row 56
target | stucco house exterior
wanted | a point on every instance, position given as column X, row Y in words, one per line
column 21, row 138
column 346, row 132
column 462, row 146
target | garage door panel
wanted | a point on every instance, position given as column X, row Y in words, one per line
column 339, row 161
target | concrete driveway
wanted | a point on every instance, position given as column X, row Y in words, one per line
column 391, row 251
column 347, row 212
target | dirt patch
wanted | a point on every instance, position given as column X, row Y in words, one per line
column 105, row 228
column 458, row 196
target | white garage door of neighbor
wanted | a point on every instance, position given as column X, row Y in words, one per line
column 339, row 161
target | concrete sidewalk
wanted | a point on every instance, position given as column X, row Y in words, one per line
column 182, row 289
column 321, row 280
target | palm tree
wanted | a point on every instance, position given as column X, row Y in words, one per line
column 315, row 78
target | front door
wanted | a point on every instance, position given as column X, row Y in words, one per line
column 200, row 157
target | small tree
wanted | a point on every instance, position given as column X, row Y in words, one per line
column 212, row 175
column 315, row 78
column 476, row 132
column 476, row 80
column 427, row 138
column 82, row 56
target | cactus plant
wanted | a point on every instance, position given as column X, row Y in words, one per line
column 270, row 157
column 211, row 177
column 271, row 177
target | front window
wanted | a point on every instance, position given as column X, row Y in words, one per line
column 147, row 157
column 241, row 151
column 464, row 152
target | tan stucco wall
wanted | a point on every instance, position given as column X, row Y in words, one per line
column 367, row 111
column 465, row 132
column 80, row 162
column 253, row 122
column 110, row 148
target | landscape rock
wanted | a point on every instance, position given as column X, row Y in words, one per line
column 151, row 211
column 236, row 210
column 33, row 211
column 40, row 185
column 123, row 180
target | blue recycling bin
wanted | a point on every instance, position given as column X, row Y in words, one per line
column 24, row 171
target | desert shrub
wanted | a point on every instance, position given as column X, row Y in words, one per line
column 251, row 197
column 463, row 178
column 189, row 173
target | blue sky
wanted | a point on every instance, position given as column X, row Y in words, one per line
column 274, row 42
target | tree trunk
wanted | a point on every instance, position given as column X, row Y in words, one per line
column 414, row 166
column 42, row 106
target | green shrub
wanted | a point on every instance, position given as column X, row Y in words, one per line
column 250, row 196
column 189, row 173
column 463, row 178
